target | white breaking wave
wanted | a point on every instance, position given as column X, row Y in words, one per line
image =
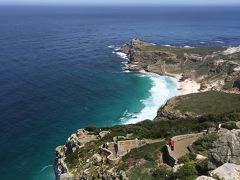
column 159, row 94
column 221, row 42
column 168, row 45
column 111, row 46
column 188, row 47
column 122, row 55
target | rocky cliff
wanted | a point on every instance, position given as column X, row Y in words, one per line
column 226, row 150
column 215, row 67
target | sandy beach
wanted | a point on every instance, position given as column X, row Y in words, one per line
column 187, row 86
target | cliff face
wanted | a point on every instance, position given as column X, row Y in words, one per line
column 218, row 67
column 226, row 150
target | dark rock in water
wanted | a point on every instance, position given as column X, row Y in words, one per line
column 237, row 84
column 226, row 150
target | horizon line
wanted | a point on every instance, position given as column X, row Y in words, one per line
column 122, row 4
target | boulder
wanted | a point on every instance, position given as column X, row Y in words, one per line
column 205, row 178
column 227, row 171
column 226, row 149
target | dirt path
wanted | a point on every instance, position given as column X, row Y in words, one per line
column 181, row 147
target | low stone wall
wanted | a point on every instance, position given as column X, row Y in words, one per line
column 185, row 136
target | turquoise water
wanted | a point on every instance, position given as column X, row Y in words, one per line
column 58, row 74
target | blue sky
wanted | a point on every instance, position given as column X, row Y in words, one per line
column 135, row 2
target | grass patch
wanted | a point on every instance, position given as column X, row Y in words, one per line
column 211, row 102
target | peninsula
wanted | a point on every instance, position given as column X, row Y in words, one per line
column 203, row 122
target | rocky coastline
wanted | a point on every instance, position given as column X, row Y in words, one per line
column 203, row 73
column 196, row 69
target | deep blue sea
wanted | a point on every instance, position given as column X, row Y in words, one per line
column 59, row 72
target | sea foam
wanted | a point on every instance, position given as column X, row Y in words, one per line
column 159, row 94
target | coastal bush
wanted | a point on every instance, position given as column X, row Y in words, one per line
column 141, row 171
column 187, row 172
column 91, row 128
column 187, row 158
column 229, row 125
column 165, row 128
column 205, row 143
column 162, row 173
column 148, row 152
column 202, row 167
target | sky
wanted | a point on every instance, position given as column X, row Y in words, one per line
column 116, row 2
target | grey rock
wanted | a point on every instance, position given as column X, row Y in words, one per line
column 227, row 171
column 226, row 149
column 205, row 178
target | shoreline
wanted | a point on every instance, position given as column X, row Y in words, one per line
column 157, row 97
column 187, row 86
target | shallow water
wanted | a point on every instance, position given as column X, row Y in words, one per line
column 58, row 72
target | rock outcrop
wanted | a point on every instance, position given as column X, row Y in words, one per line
column 227, row 171
column 205, row 178
column 226, row 150
column 75, row 142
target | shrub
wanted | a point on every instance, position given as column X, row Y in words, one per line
column 202, row 167
column 204, row 143
column 161, row 173
column 187, row 172
column 229, row 125
column 187, row 158
column 91, row 128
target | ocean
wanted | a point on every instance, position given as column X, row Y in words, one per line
column 59, row 72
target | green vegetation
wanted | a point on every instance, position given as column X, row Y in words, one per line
column 230, row 125
column 187, row 158
column 187, row 172
column 162, row 172
column 211, row 102
column 202, row 167
column 148, row 153
column 165, row 128
column 180, row 51
column 205, row 143
column 154, row 129
column 141, row 171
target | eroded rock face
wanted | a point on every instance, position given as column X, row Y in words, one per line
column 227, row 171
column 226, row 150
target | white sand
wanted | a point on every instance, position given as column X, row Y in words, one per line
column 186, row 87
